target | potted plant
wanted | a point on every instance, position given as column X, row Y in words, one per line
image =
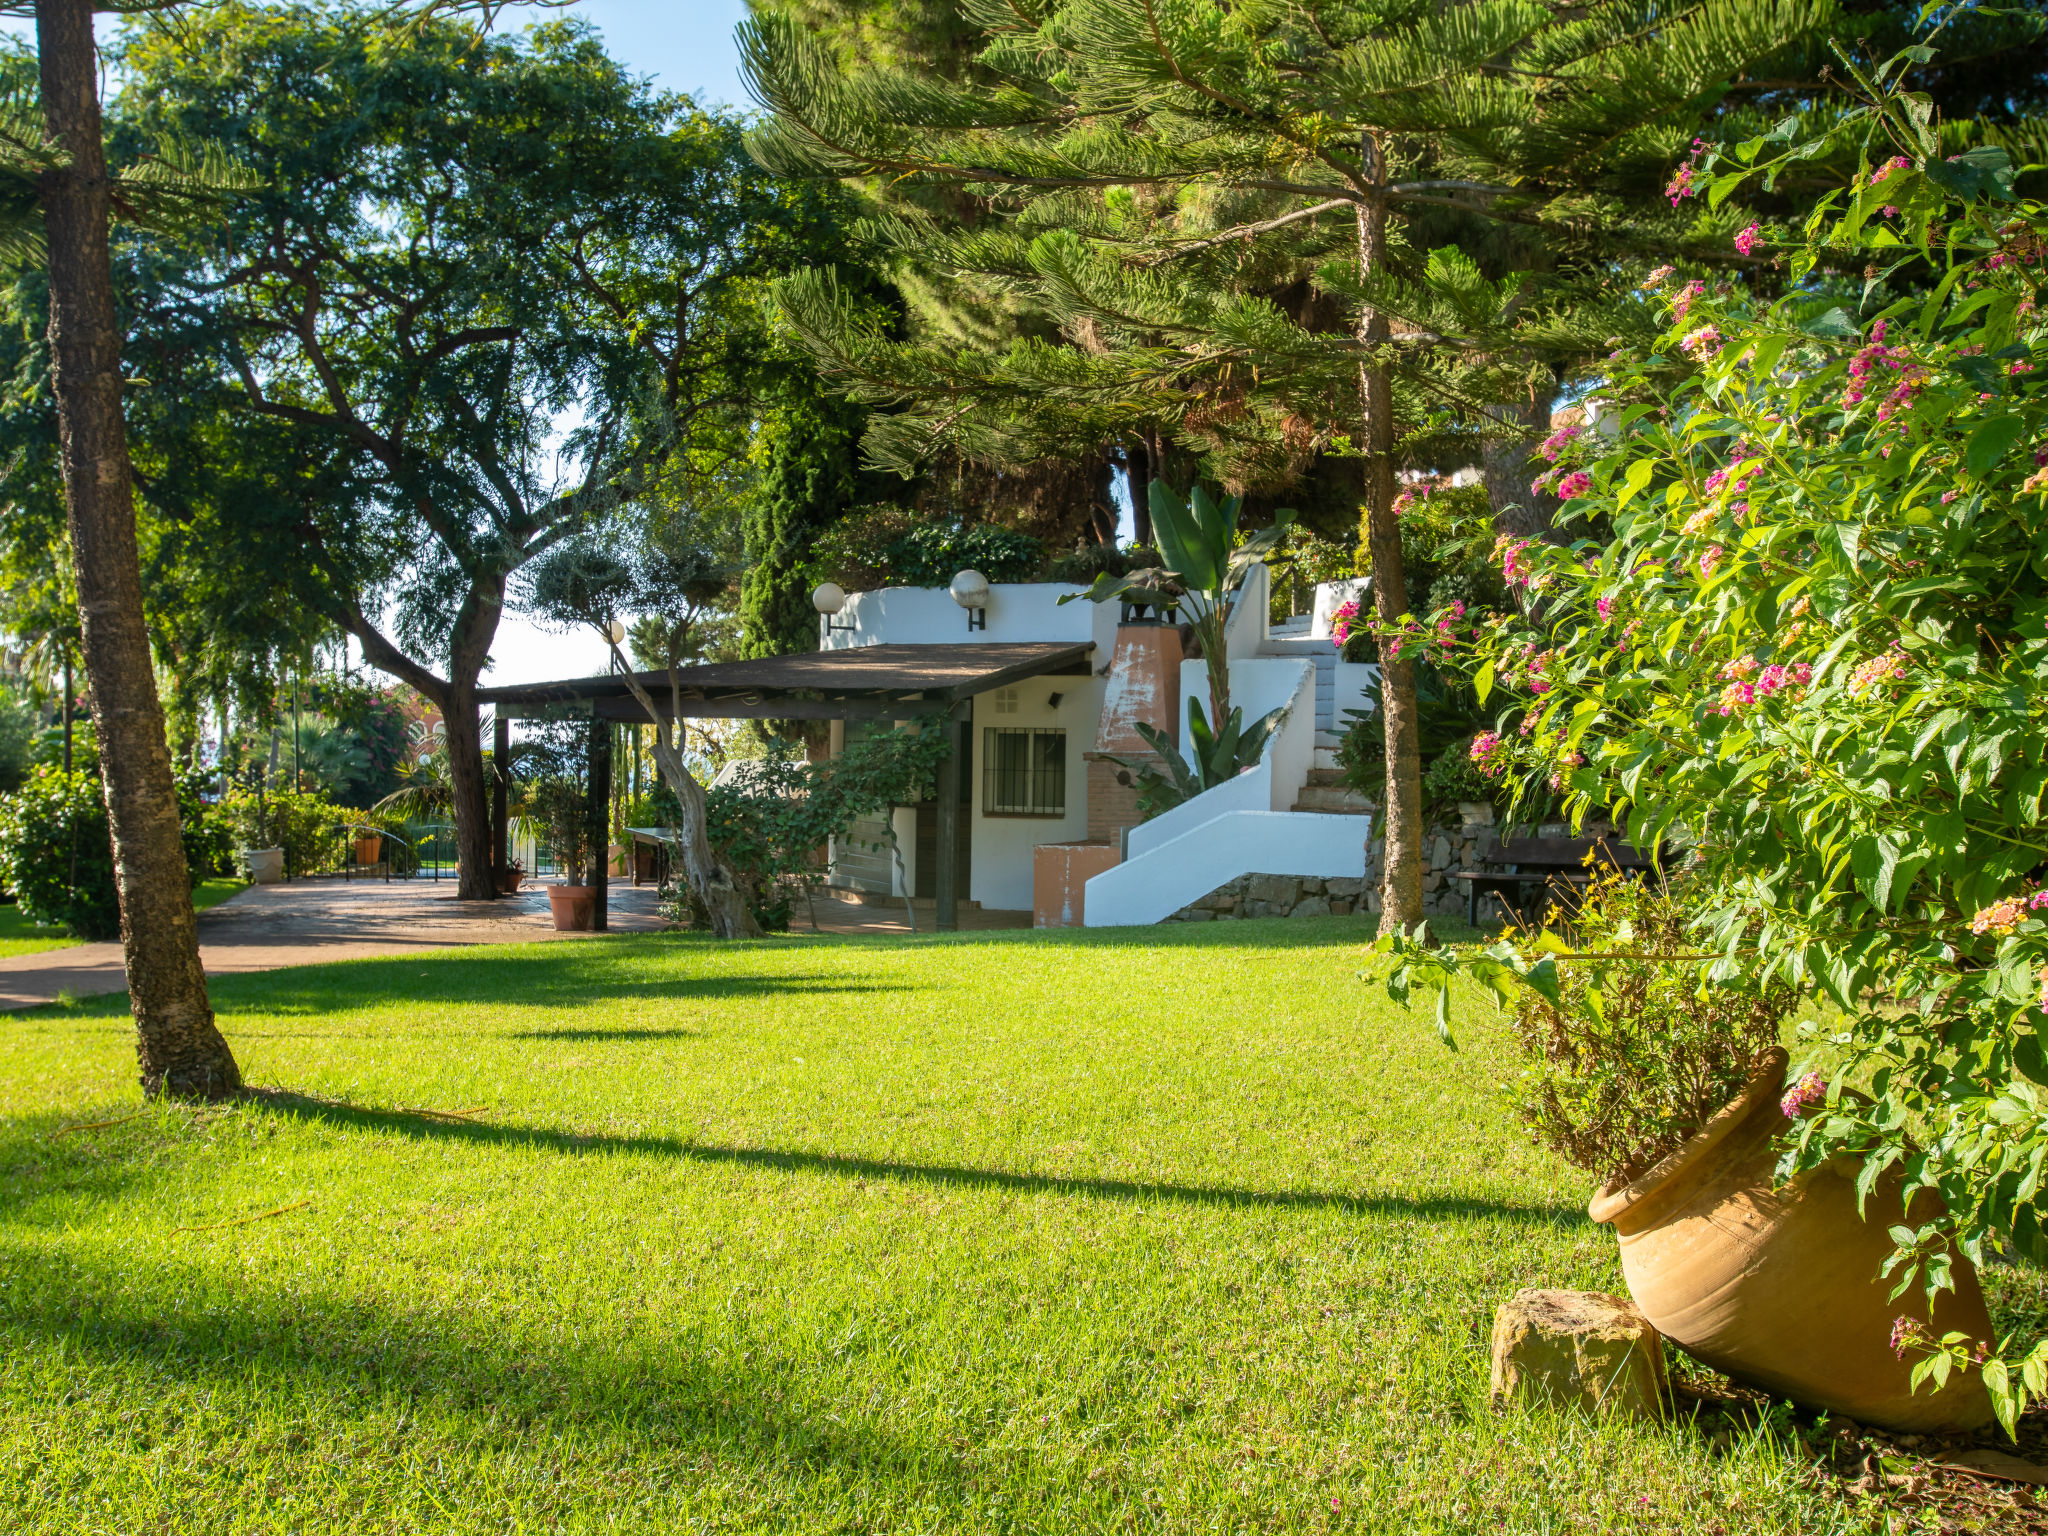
column 560, row 806
column 260, row 854
column 1670, row 1091
column 369, row 843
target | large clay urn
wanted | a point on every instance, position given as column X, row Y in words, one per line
column 1780, row 1287
column 573, row 907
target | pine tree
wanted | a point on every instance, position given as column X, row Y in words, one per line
column 1225, row 207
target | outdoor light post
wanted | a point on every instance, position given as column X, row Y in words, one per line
column 829, row 598
column 970, row 591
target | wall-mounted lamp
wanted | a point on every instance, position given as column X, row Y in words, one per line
column 829, row 598
column 970, row 591
column 1054, row 701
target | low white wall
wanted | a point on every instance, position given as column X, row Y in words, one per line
column 1251, row 790
column 1240, row 842
column 1330, row 596
column 1292, row 751
column 1244, row 631
column 929, row 616
column 1356, row 686
column 1257, row 684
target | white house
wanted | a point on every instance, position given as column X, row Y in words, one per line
column 1042, row 815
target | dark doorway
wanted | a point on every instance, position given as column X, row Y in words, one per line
column 928, row 826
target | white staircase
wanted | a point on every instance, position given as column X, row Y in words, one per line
column 1291, row 814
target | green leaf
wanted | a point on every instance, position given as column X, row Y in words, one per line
column 1637, row 475
column 1482, row 681
column 1980, row 172
column 1991, row 442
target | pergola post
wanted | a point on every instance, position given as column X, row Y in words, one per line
column 600, row 819
column 947, row 886
column 501, row 778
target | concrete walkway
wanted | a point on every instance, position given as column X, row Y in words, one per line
column 309, row 922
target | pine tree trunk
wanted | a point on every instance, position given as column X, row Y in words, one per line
column 180, row 1051
column 1400, row 818
column 1510, row 465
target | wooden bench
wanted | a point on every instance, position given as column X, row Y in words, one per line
column 1523, row 867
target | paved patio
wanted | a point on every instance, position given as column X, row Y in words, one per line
column 310, row 922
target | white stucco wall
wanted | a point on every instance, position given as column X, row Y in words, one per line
column 1001, row 855
column 1001, row 860
column 1016, row 611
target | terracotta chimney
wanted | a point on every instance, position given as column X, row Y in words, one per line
column 1143, row 687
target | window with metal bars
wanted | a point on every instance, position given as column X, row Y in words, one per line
column 1023, row 772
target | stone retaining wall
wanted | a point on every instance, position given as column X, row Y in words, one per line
column 1275, row 896
column 1448, row 847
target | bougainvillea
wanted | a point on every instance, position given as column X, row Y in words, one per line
column 1815, row 650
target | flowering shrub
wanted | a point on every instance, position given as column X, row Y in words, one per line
column 1817, row 647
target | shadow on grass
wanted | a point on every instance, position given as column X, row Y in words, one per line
column 328, row 1362
column 484, row 1133
column 505, row 981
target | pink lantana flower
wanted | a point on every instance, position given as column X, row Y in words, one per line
column 1810, row 1090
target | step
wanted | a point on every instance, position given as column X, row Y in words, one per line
column 1325, row 757
column 1333, row 800
column 1325, row 777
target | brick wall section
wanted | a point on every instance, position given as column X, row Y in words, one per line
column 1111, row 806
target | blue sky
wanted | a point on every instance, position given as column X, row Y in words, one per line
column 686, row 45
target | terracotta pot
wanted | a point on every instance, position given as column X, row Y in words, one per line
column 369, row 849
column 1780, row 1287
column 574, row 907
column 508, row 879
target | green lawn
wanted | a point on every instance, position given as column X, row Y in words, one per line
column 1008, row 1232
column 19, row 936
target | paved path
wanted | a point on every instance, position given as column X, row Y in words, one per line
column 307, row 922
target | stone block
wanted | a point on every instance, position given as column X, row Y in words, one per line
column 1196, row 915
column 1264, row 909
column 1439, row 851
column 1578, row 1349
column 1339, row 907
column 1432, row 880
column 1222, row 899
column 1274, row 890
column 1343, row 885
column 1311, row 886
column 1312, row 906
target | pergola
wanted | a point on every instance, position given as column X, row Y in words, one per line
column 870, row 682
